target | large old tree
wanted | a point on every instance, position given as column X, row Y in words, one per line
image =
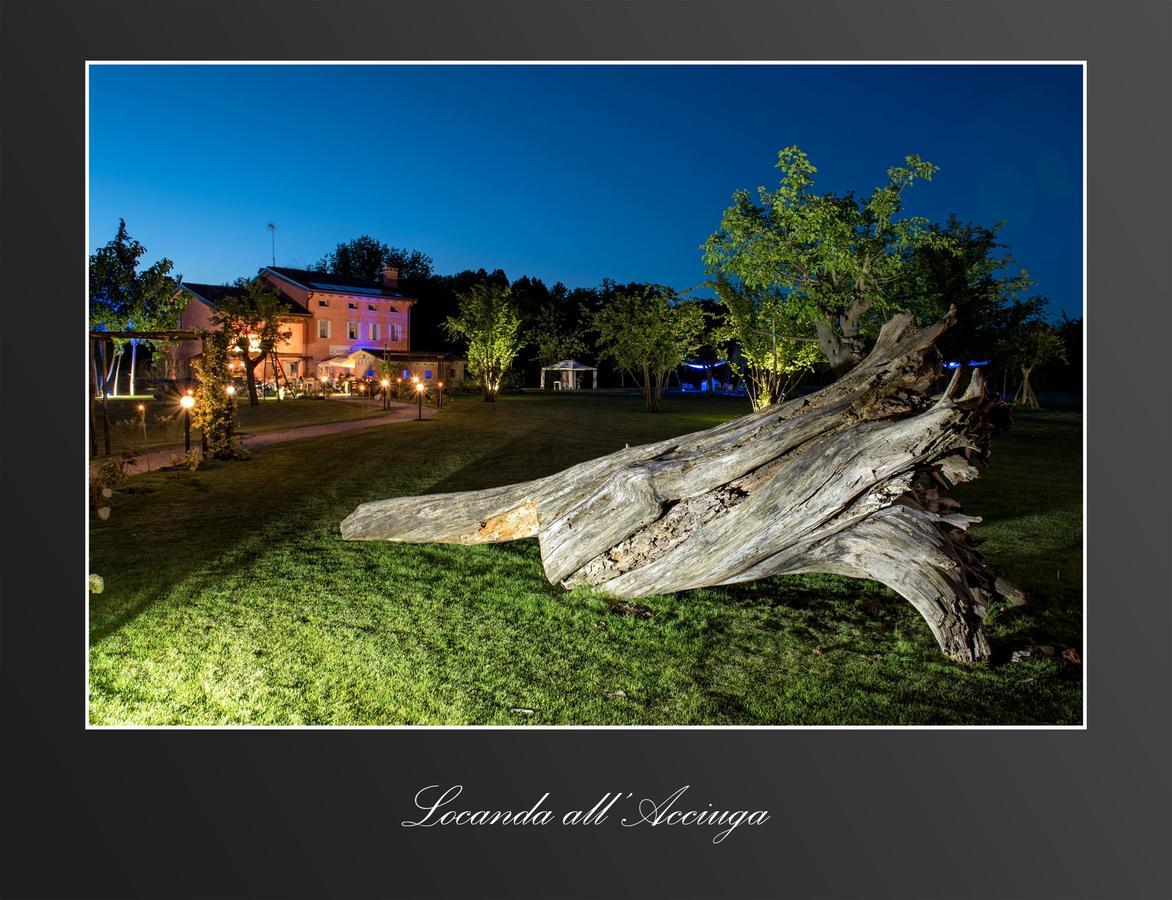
column 837, row 258
column 852, row 480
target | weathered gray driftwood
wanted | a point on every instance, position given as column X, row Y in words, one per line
column 850, row 480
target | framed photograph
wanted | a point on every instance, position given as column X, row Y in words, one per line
column 670, row 448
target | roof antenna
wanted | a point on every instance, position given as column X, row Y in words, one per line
column 272, row 226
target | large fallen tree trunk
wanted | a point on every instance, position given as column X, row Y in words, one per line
column 850, row 480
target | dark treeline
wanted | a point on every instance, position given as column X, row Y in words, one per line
column 559, row 321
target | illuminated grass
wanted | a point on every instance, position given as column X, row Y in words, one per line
column 230, row 597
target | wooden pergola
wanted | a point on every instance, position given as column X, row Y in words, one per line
column 101, row 346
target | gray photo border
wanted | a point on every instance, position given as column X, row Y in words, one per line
column 855, row 814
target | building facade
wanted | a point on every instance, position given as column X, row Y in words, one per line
column 341, row 328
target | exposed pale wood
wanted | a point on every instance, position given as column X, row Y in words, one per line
column 850, row 480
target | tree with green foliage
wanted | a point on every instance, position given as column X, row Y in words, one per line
column 1032, row 344
column 968, row 268
column 122, row 298
column 214, row 412
column 365, row 257
column 557, row 333
column 765, row 349
column 836, row 258
column 648, row 332
column 489, row 322
column 254, row 324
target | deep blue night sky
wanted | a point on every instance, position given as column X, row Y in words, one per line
column 570, row 173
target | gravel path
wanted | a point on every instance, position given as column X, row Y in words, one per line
column 158, row 459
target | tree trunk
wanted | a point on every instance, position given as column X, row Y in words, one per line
column 851, row 480
column 117, row 372
column 648, row 389
column 133, row 362
column 106, row 348
column 250, row 377
column 93, row 390
column 842, row 354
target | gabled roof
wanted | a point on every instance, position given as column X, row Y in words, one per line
column 570, row 365
column 351, row 359
column 213, row 294
column 336, row 284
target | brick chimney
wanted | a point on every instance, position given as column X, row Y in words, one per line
column 390, row 278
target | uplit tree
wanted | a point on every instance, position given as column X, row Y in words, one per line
column 214, row 412
column 254, row 325
column 489, row 322
column 122, row 298
column 837, row 258
column 766, row 349
column 648, row 332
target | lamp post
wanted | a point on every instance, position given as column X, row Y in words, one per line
column 419, row 389
column 439, row 396
column 187, row 402
column 386, row 384
column 142, row 420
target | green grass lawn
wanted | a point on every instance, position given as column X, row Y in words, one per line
column 230, row 597
column 165, row 427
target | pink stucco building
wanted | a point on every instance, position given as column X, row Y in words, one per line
column 332, row 319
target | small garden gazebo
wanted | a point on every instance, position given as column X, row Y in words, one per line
column 568, row 371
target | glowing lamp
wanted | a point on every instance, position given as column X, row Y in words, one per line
column 419, row 387
column 187, row 401
column 386, row 382
column 141, row 408
column 231, row 389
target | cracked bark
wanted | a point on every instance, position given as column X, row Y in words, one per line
column 851, row 480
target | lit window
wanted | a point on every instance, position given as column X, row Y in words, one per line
column 427, row 374
column 352, row 330
column 374, row 331
column 293, row 368
column 323, row 328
